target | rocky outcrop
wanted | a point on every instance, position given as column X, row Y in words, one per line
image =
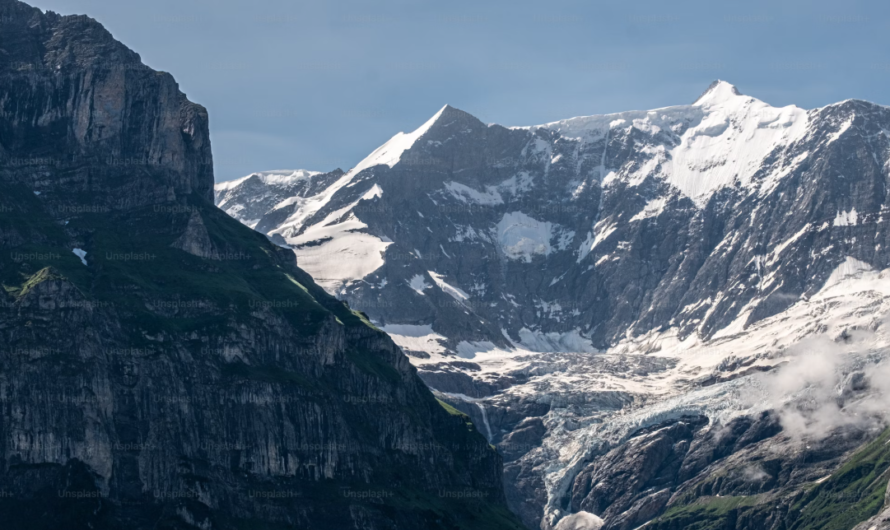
column 195, row 240
column 632, row 483
column 186, row 373
column 80, row 113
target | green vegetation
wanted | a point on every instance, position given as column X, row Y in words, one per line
column 371, row 364
column 451, row 410
column 133, row 267
column 155, row 288
column 365, row 320
column 32, row 241
column 43, row 275
column 852, row 494
column 705, row 513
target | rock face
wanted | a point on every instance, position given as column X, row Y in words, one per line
column 195, row 240
column 161, row 365
column 574, row 285
column 647, row 463
column 107, row 125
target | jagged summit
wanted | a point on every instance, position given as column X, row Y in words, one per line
column 717, row 92
column 391, row 152
column 68, row 41
column 275, row 176
column 452, row 113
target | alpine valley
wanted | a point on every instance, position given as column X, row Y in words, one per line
column 673, row 318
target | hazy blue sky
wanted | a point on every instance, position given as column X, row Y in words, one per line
column 320, row 84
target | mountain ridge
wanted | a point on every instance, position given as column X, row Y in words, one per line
column 569, row 284
column 473, row 195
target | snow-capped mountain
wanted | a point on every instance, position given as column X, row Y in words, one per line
column 584, row 231
column 267, row 196
column 573, row 284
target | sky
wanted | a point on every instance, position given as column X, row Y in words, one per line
column 320, row 84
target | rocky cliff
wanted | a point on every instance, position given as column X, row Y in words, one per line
column 163, row 366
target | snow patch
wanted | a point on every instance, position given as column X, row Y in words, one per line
column 850, row 218
column 373, row 193
column 80, row 254
column 419, row 284
column 653, row 208
column 723, row 139
column 336, row 251
column 521, row 237
column 713, row 155
column 782, row 246
column 517, row 184
column 469, row 350
column 841, row 130
column 601, row 231
column 466, row 194
column 416, row 338
column 466, row 233
column 850, row 268
column 390, row 153
column 452, row 291
column 269, row 178
column 558, row 279
column 564, row 239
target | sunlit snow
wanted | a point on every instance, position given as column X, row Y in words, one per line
column 521, row 237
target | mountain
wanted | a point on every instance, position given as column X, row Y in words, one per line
column 268, row 196
column 164, row 366
column 584, row 286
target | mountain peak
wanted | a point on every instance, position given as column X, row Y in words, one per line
column 718, row 92
column 391, row 152
column 451, row 112
column 445, row 116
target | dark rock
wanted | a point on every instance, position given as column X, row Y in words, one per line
column 189, row 375
column 523, row 438
column 635, row 474
column 195, row 240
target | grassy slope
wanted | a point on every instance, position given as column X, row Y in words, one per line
column 853, row 493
